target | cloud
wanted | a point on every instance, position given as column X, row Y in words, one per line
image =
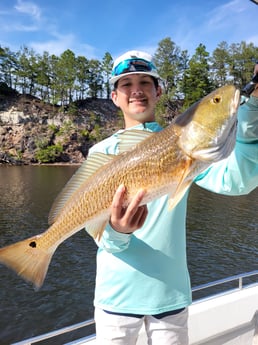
column 28, row 8
column 22, row 27
column 23, row 17
column 43, row 32
column 220, row 15
column 61, row 43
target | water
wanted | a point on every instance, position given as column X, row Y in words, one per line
column 222, row 241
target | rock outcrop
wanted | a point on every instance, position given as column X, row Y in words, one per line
column 32, row 131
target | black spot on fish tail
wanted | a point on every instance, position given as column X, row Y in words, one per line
column 33, row 244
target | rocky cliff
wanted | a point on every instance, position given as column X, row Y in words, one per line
column 32, row 131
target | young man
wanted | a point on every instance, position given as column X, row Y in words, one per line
column 142, row 275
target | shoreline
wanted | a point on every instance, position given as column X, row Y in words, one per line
column 41, row 164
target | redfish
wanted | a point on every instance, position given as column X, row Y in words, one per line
column 160, row 163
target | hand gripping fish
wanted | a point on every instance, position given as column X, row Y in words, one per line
column 160, row 163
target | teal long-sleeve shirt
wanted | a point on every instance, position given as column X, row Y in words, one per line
column 146, row 272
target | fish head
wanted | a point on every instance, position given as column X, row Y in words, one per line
column 207, row 130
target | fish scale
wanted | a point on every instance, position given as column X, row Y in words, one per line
column 160, row 163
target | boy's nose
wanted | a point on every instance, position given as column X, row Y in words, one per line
column 137, row 92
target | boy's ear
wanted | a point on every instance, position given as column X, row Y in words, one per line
column 159, row 91
column 114, row 97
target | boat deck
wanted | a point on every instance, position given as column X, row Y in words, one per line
column 228, row 317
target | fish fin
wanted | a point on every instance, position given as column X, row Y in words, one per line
column 182, row 187
column 88, row 168
column 130, row 138
column 28, row 260
column 180, row 192
column 96, row 229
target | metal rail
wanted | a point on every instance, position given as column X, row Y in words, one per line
column 239, row 277
column 56, row 333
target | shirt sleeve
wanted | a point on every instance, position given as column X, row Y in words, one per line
column 113, row 241
column 237, row 174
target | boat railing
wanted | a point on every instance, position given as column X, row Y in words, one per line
column 236, row 278
column 59, row 332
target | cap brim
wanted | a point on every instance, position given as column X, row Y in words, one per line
column 113, row 80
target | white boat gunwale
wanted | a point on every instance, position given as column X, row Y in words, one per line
column 241, row 286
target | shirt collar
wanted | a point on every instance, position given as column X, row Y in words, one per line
column 147, row 126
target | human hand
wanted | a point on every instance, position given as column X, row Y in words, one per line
column 255, row 92
column 131, row 218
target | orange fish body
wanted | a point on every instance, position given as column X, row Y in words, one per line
column 160, row 163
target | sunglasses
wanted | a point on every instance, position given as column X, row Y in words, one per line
column 133, row 65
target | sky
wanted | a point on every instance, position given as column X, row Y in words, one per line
column 93, row 27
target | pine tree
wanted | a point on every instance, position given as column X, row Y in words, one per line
column 196, row 81
column 107, row 63
column 220, row 65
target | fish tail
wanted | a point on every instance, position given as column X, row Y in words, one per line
column 28, row 259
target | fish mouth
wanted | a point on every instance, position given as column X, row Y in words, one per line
column 229, row 134
column 226, row 142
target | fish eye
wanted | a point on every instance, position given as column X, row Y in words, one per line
column 216, row 99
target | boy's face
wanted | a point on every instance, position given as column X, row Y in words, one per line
column 136, row 95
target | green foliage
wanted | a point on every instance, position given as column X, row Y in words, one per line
column 19, row 155
column 96, row 134
column 107, row 64
column 48, row 154
column 94, row 118
column 169, row 61
column 95, row 80
column 62, row 79
column 220, row 64
column 82, row 74
column 66, row 129
column 161, row 109
column 84, row 133
column 53, row 128
column 72, row 110
column 41, row 143
column 196, row 82
column 66, row 67
column 241, row 62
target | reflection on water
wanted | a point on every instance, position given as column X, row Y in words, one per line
column 222, row 234
column 66, row 296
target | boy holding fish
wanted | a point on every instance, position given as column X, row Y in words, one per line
column 131, row 195
column 142, row 276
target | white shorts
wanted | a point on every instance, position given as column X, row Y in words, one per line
column 112, row 329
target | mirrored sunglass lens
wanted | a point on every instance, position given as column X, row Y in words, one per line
column 133, row 66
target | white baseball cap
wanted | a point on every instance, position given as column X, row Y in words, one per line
column 133, row 61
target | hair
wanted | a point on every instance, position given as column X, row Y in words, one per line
column 155, row 80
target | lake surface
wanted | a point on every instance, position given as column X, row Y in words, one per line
column 222, row 241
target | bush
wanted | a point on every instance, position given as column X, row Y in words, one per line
column 49, row 154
